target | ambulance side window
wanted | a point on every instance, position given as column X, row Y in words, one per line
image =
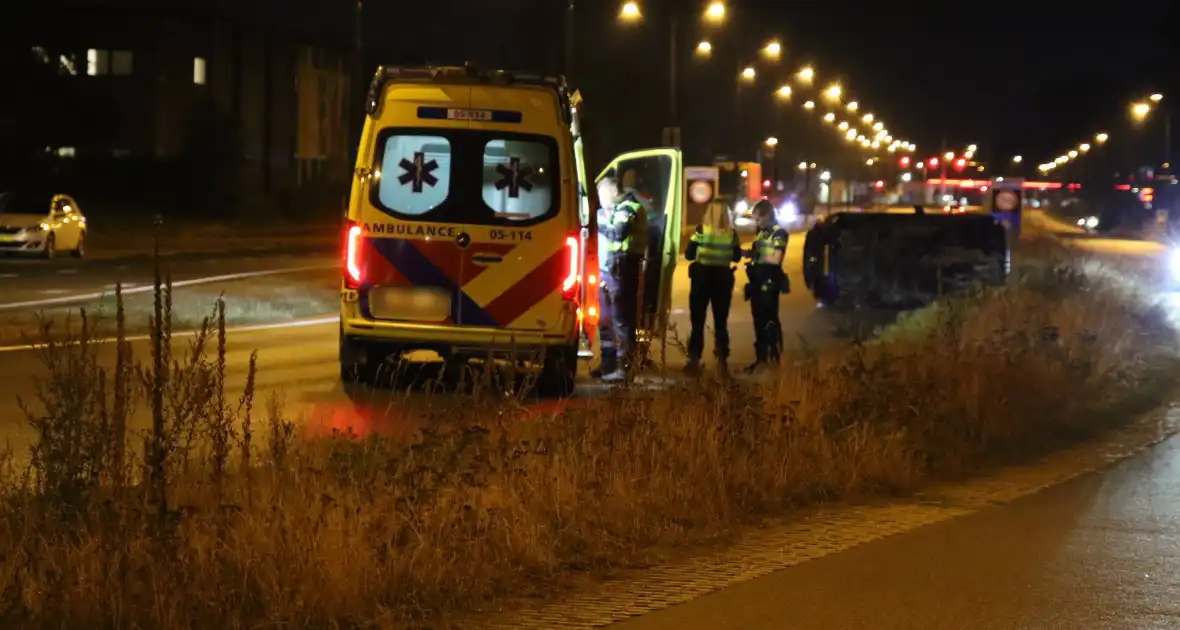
column 518, row 178
column 415, row 173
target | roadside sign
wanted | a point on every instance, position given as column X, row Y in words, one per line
column 1007, row 201
column 700, row 191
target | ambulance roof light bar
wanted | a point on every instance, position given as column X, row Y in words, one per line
column 466, row 74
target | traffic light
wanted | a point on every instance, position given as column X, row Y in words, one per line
column 766, row 183
column 933, row 162
column 879, row 184
column 905, row 161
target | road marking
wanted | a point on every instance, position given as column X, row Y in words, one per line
column 67, row 272
column 86, row 297
column 9, row 275
column 302, row 323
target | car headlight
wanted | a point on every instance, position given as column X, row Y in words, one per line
column 1174, row 264
column 741, row 207
column 787, row 213
column 1091, row 222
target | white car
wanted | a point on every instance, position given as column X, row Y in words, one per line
column 41, row 224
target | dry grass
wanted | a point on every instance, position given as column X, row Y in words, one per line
column 227, row 520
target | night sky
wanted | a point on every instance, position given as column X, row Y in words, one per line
column 1028, row 78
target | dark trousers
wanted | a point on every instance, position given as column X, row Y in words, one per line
column 606, row 329
column 768, row 330
column 622, row 289
column 709, row 286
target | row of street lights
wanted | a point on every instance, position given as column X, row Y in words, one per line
column 1139, row 112
column 869, row 132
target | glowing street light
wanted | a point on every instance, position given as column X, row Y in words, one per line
column 1139, row 111
column 880, row 126
column 1083, row 147
column 972, row 148
column 1062, row 159
column 829, row 117
column 773, row 50
column 715, row 12
column 825, row 176
column 843, row 125
column 809, row 105
column 704, row 48
column 1157, row 97
column 853, row 106
column 806, row 75
column 1017, row 159
column 784, row 92
column 748, row 74
column 851, row 135
column 1072, row 154
column 949, row 155
column 1101, row 138
column 869, row 162
column 630, row 12
column 803, row 166
column 833, row 92
column 772, row 141
column 868, row 118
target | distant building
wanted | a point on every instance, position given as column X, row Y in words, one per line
column 189, row 97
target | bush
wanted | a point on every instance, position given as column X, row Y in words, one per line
column 215, row 526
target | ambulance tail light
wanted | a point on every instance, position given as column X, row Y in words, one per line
column 353, row 240
column 569, row 284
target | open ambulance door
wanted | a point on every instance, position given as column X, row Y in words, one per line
column 657, row 175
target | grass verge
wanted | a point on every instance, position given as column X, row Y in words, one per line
column 227, row 519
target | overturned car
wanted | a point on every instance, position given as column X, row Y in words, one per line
column 902, row 261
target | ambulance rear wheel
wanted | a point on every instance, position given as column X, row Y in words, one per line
column 360, row 362
column 559, row 372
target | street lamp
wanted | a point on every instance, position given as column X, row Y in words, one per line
column 880, row 126
column 868, row 118
column 1017, row 159
column 825, row 176
column 772, row 141
column 629, row 12
column 843, row 125
column 1083, row 147
column 748, row 74
column 784, row 92
column 1062, row 159
column 949, row 155
column 809, row 105
column 1101, row 138
column 851, row 135
column 1072, row 154
column 1139, row 111
column 853, row 106
column 715, row 12
column 704, row 49
column 803, row 166
column 972, row 148
column 829, row 117
column 833, row 92
column 773, row 50
column 806, row 75
column 1157, row 97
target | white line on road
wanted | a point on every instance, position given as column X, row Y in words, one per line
column 303, row 323
column 67, row 272
column 85, row 297
column 9, row 275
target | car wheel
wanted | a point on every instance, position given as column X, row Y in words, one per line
column 559, row 372
column 50, row 251
column 80, row 249
column 356, row 362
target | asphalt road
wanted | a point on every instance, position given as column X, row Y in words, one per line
column 298, row 360
column 1101, row 552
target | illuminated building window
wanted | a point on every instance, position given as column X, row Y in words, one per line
column 199, row 70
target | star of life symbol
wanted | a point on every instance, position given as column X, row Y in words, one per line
column 417, row 172
column 514, row 177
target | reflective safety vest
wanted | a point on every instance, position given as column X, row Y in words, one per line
column 766, row 243
column 715, row 247
column 628, row 228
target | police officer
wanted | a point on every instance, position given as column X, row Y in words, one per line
column 626, row 244
column 606, row 333
column 767, row 282
column 714, row 248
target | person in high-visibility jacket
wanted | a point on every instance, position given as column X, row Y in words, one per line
column 626, row 244
column 713, row 250
column 767, row 282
